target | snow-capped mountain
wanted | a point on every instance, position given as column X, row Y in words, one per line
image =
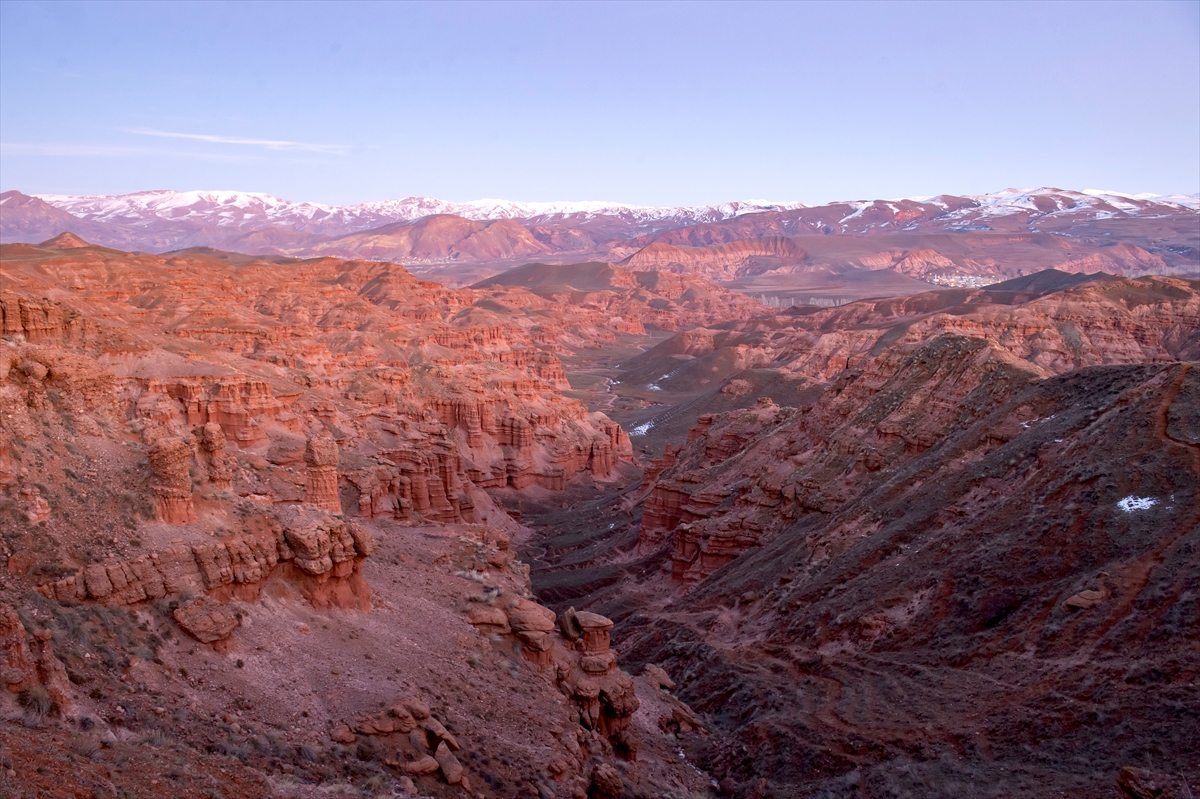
column 1043, row 202
column 242, row 209
column 424, row 230
column 188, row 217
column 1050, row 201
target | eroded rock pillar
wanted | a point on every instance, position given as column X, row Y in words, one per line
column 321, row 457
column 170, row 480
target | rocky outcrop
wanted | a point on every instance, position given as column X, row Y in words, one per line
column 605, row 694
column 171, row 481
column 931, row 501
column 29, row 662
column 217, row 465
column 43, row 321
column 271, row 357
column 33, row 505
column 19, row 669
column 241, row 405
column 321, row 459
column 611, row 300
column 418, row 742
column 721, row 261
column 604, row 782
column 321, row 554
column 1100, row 321
column 574, row 649
column 744, row 475
column 205, row 619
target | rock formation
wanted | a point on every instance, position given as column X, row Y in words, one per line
column 319, row 553
column 969, row 483
column 823, row 535
column 574, row 649
column 721, row 261
column 171, row 481
column 34, row 506
column 217, row 464
column 205, row 619
column 321, row 458
column 31, row 664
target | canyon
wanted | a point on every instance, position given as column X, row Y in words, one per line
column 760, row 500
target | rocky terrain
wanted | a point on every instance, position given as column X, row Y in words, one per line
column 246, row 525
column 307, row 527
column 952, row 557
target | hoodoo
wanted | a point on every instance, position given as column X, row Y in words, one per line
column 321, row 460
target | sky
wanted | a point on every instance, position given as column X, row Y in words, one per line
column 645, row 103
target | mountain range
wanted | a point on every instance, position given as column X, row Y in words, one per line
column 941, row 237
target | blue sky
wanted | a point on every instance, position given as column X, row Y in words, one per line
column 659, row 104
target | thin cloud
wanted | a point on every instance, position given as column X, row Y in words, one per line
column 93, row 150
column 270, row 144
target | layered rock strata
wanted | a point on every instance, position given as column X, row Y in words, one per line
column 319, row 553
column 745, row 475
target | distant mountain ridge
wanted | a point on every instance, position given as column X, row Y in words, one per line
column 1002, row 234
column 228, row 207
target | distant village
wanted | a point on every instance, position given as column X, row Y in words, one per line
column 963, row 281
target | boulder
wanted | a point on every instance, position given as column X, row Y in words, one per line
column 425, row 764
column 206, row 619
column 1140, row 783
column 342, row 734
column 486, row 616
column 452, row 770
column 530, row 616
column 417, row 707
column 605, row 783
column 536, row 640
column 568, row 625
column 595, row 631
column 437, row 732
column 33, row 505
column 658, row 677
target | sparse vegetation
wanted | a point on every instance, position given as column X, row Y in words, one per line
column 36, row 703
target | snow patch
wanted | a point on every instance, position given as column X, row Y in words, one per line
column 642, row 429
column 1132, row 503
